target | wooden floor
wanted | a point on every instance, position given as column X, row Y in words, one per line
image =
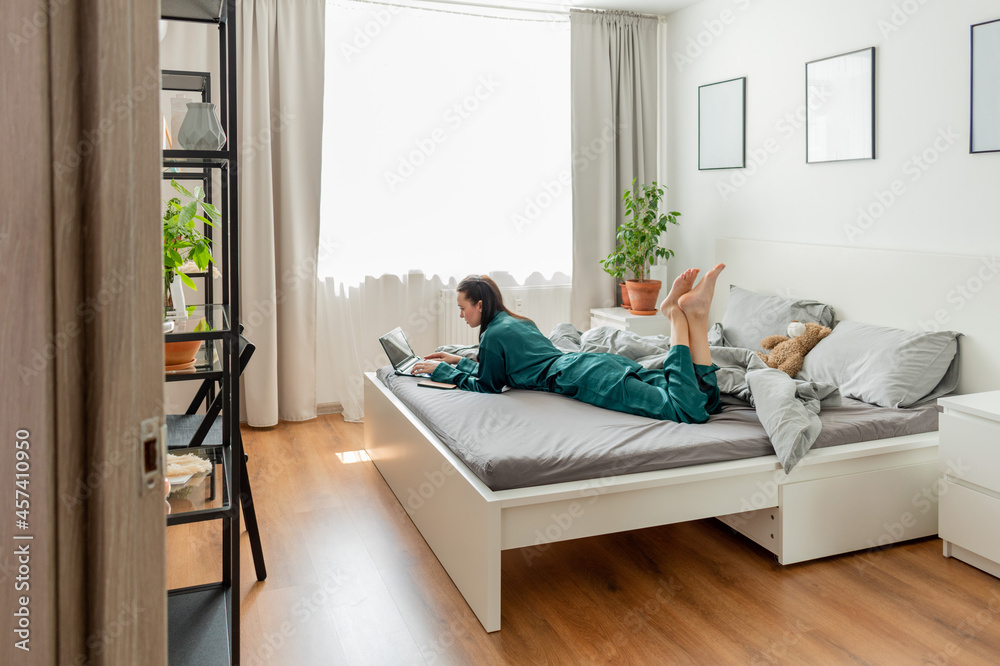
column 352, row 582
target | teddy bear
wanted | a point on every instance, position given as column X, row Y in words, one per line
column 787, row 352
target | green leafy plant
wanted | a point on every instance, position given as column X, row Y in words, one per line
column 614, row 265
column 183, row 242
column 639, row 236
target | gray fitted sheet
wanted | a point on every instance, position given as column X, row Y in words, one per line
column 528, row 438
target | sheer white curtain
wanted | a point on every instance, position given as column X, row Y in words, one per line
column 446, row 151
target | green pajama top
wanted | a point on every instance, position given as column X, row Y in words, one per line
column 514, row 353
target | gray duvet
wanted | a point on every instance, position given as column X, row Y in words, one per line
column 527, row 438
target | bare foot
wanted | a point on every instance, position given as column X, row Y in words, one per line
column 698, row 300
column 682, row 285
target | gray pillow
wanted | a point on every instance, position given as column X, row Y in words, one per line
column 750, row 317
column 885, row 366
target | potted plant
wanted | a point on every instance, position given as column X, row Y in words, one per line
column 180, row 355
column 185, row 247
column 614, row 266
column 639, row 244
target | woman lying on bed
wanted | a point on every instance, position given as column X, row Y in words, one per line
column 513, row 352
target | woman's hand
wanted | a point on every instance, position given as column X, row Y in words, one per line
column 450, row 359
column 424, row 367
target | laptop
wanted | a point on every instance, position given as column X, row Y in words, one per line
column 399, row 352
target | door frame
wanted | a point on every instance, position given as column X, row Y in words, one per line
column 81, row 359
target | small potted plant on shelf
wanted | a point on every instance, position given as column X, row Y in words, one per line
column 639, row 244
column 181, row 355
column 185, row 248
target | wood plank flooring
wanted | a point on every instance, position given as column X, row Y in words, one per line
column 352, row 582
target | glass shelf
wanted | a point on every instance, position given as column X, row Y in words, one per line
column 201, row 174
column 215, row 315
column 202, row 496
column 177, row 80
column 211, row 159
column 203, row 11
column 207, row 365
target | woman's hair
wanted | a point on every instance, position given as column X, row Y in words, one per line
column 477, row 288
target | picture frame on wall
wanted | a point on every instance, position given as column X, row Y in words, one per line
column 722, row 125
column 984, row 123
column 840, row 107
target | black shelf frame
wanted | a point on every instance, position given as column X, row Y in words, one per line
column 214, row 629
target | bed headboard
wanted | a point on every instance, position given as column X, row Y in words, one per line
column 908, row 290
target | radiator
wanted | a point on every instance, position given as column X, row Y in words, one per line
column 546, row 306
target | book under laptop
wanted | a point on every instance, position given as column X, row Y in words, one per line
column 400, row 353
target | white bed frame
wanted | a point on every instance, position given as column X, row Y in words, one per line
column 837, row 500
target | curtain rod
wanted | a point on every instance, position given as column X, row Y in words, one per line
column 533, row 7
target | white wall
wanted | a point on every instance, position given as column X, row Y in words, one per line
column 922, row 96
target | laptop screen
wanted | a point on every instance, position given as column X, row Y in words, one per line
column 396, row 348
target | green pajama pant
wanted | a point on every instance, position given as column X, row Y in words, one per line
column 681, row 391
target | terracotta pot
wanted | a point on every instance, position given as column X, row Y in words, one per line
column 642, row 294
column 625, row 302
column 180, row 354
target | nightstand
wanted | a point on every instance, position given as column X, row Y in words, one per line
column 623, row 320
column 969, row 502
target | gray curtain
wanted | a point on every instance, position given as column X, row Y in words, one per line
column 280, row 47
column 613, row 70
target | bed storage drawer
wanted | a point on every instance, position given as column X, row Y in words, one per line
column 970, row 449
column 969, row 519
column 853, row 512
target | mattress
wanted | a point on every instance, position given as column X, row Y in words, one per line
column 520, row 438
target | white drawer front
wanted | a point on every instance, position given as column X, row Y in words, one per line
column 970, row 449
column 649, row 325
column 597, row 320
column 970, row 519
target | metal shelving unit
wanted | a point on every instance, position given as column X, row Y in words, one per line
column 204, row 620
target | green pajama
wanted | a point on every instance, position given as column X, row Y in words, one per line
column 513, row 352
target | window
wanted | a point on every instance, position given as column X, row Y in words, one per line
column 446, row 143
